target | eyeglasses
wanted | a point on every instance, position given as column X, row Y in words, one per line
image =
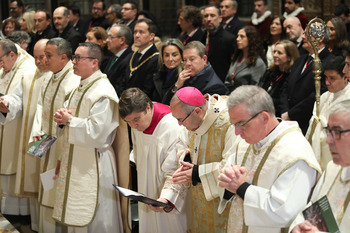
column 78, row 58
column 335, row 132
column 182, row 121
column 241, row 126
column 109, row 37
column 126, row 9
column 4, row 55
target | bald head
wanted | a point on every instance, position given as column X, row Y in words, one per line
column 39, row 54
column 293, row 28
column 61, row 17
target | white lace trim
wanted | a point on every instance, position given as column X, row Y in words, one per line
column 294, row 13
column 256, row 20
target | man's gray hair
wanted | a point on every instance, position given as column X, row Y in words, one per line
column 254, row 98
column 63, row 46
column 8, row 46
column 117, row 9
column 124, row 31
column 341, row 107
column 201, row 50
column 19, row 36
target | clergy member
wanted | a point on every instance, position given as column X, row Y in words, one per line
column 22, row 102
column 205, row 145
column 338, row 90
column 271, row 171
column 85, row 199
column 15, row 68
column 52, row 95
column 335, row 181
column 154, row 135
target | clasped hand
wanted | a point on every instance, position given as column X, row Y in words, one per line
column 231, row 177
column 183, row 174
column 61, row 116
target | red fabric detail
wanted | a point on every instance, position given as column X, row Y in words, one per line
column 159, row 111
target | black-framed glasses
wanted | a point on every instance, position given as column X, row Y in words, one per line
column 241, row 126
column 78, row 58
column 182, row 121
column 336, row 132
column 109, row 37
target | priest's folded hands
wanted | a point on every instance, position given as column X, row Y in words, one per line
column 61, row 116
column 231, row 177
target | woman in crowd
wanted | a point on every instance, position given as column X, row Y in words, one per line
column 98, row 35
column 28, row 25
column 285, row 53
column 171, row 64
column 8, row 26
column 338, row 37
column 275, row 34
column 248, row 61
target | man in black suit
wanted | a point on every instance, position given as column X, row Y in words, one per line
column 75, row 19
column 64, row 28
column 118, row 42
column 298, row 93
column 219, row 43
column 42, row 20
column 97, row 16
column 143, row 64
column 294, row 31
column 230, row 21
column 129, row 14
column 190, row 22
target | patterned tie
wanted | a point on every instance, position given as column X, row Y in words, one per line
column 136, row 58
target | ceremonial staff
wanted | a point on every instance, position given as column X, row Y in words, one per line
column 315, row 31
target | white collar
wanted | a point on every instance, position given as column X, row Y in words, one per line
column 193, row 32
column 145, row 50
column 294, row 13
column 256, row 20
column 345, row 175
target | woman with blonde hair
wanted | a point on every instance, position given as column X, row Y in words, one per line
column 284, row 55
column 98, row 35
column 28, row 25
column 170, row 62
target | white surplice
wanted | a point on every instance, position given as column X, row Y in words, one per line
column 316, row 134
column 279, row 188
column 23, row 69
column 155, row 157
column 335, row 183
column 85, row 197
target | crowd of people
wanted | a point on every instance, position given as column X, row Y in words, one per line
column 220, row 119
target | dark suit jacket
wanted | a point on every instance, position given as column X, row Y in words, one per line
column 48, row 33
column 116, row 74
column 234, row 25
column 197, row 36
column 91, row 22
column 206, row 82
column 79, row 27
column 163, row 90
column 72, row 36
column 143, row 76
column 221, row 47
column 298, row 94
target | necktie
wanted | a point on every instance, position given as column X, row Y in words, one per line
column 207, row 42
column 187, row 37
column 114, row 59
column 137, row 58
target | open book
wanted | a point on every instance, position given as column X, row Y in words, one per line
column 39, row 148
column 142, row 198
column 320, row 215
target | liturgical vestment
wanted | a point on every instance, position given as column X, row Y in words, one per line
column 155, row 157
